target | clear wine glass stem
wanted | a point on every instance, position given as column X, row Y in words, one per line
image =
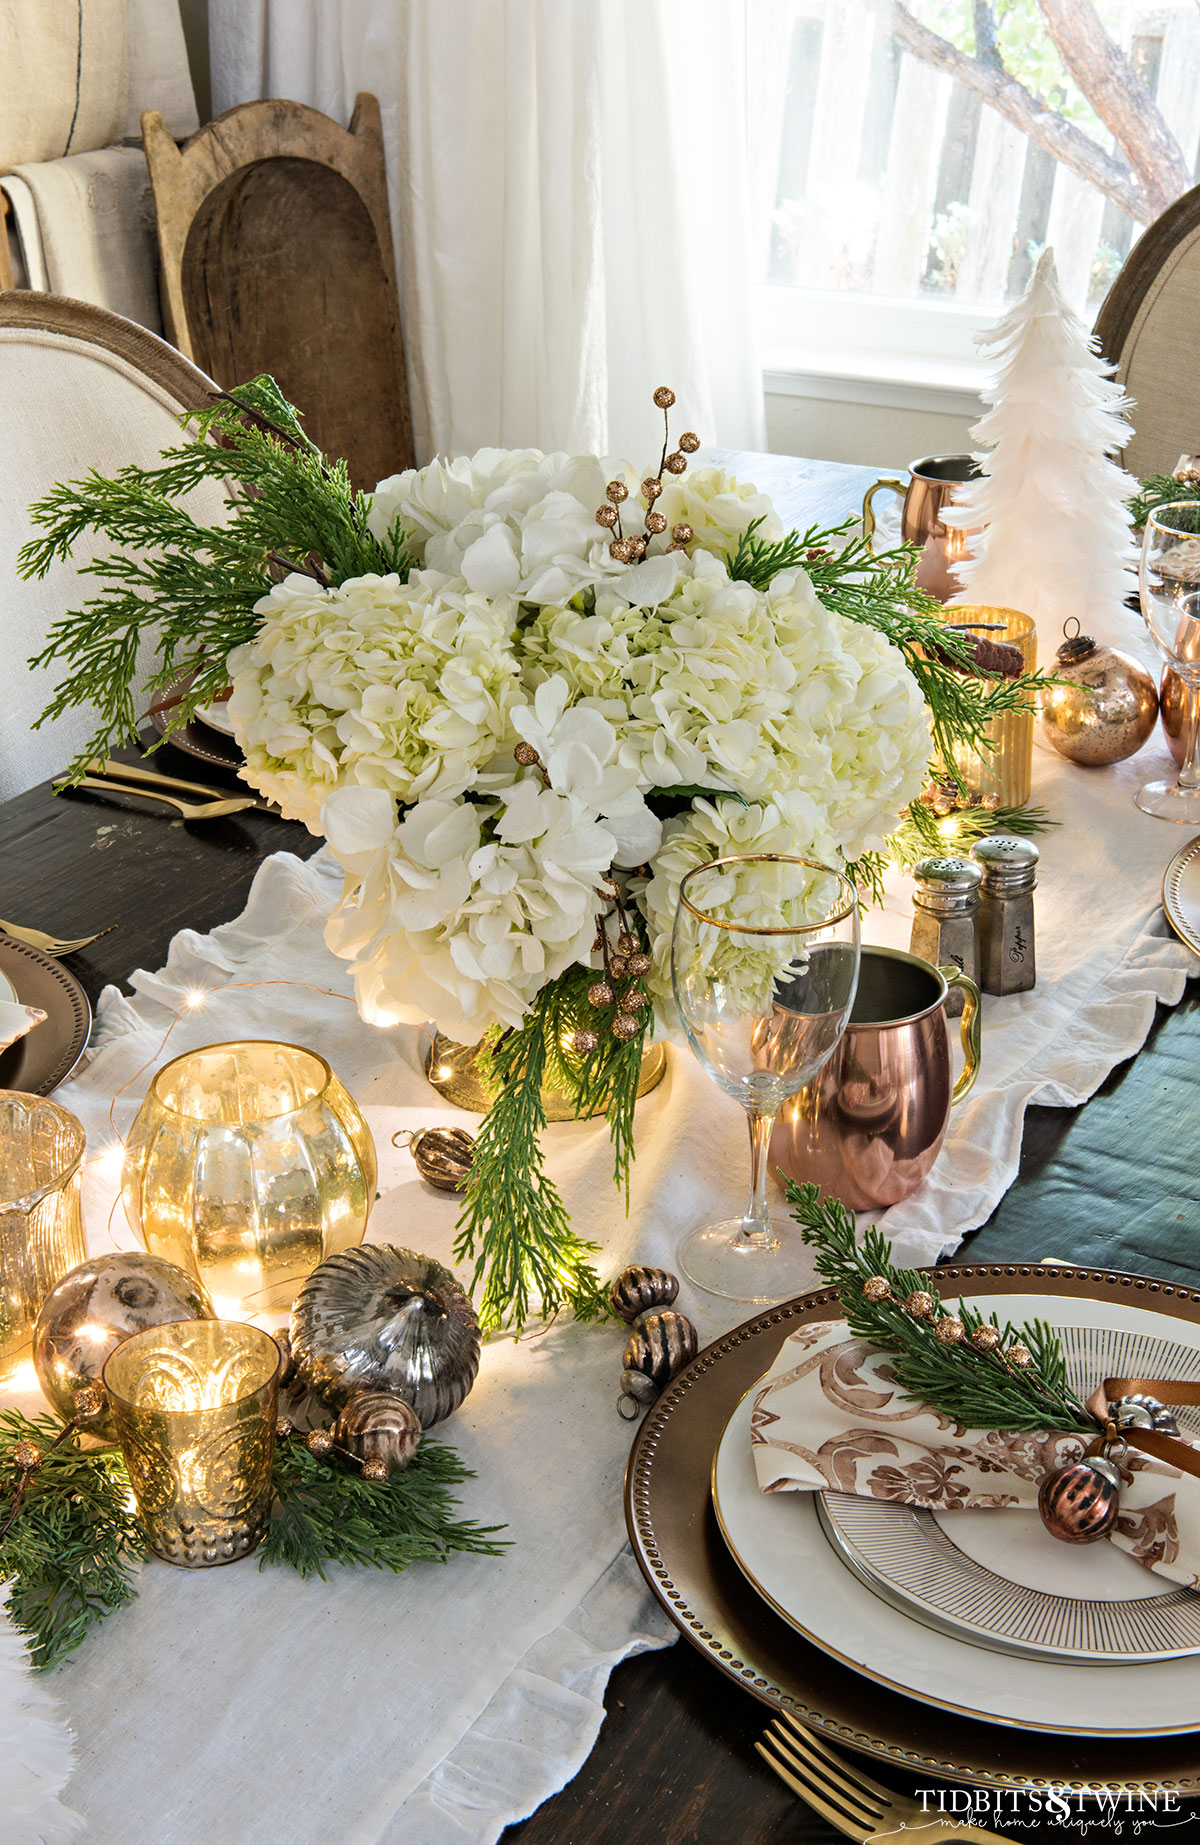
column 756, row 1231
column 1189, row 770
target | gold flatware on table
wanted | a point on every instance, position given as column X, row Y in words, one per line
column 53, row 944
column 191, row 810
column 849, row 1799
column 130, row 772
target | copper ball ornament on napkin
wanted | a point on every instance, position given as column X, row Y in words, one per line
column 95, row 1307
column 383, row 1318
column 1079, row 1501
column 1106, row 711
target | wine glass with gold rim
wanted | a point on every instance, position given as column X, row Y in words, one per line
column 764, row 964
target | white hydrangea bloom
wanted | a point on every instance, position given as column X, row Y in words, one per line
column 377, row 684
column 387, row 716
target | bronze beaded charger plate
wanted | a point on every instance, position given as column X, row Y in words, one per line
column 1181, row 894
column 677, row 1541
column 45, row 1056
column 204, row 741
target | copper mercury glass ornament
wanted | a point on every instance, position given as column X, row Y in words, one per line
column 1079, row 1501
column 1109, row 708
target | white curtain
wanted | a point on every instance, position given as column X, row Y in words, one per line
column 570, row 198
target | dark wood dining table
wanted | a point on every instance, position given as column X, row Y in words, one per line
column 674, row 1762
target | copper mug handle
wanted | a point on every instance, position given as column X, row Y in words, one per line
column 868, row 511
column 970, row 1028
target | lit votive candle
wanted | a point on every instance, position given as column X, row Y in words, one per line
column 194, row 1405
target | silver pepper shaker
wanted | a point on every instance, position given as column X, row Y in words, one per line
column 1006, row 937
column 946, row 918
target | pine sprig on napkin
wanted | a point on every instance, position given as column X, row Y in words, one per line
column 980, row 1389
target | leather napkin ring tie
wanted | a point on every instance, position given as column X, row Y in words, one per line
column 1156, row 1442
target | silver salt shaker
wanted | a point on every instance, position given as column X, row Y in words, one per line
column 1006, row 938
column 946, row 918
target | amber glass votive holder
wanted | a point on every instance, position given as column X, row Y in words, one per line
column 247, row 1165
column 41, row 1229
column 1005, row 770
column 194, row 1405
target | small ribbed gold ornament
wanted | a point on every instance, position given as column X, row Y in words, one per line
column 985, row 1338
column 920, row 1304
column 443, row 1156
column 664, row 397
column 378, row 1425
column 877, row 1287
column 1018, row 1355
column 949, row 1330
column 26, row 1455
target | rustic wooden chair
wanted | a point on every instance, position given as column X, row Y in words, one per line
column 81, row 388
column 1149, row 326
column 277, row 257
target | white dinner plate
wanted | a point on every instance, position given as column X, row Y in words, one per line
column 778, row 1542
column 1181, row 894
column 217, row 717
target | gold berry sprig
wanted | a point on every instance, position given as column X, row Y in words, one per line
column 978, row 1373
column 630, row 548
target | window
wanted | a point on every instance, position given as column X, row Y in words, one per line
column 899, row 211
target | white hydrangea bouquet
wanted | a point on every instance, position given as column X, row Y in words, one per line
column 520, row 695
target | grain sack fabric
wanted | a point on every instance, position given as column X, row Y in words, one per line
column 78, row 73
column 87, row 230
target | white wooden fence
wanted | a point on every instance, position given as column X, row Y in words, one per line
column 882, row 179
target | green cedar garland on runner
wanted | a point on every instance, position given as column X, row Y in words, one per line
column 72, row 1552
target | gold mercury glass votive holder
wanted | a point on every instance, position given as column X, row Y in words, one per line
column 247, row 1165
column 194, row 1405
column 1006, row 770
column 41, row 1229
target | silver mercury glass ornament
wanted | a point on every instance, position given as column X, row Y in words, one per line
column 945, row 928
column 1006, row 936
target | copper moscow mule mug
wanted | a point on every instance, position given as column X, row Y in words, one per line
column 932, row 484
column 868, row 1127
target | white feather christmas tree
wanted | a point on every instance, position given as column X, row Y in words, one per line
column 1056, row 542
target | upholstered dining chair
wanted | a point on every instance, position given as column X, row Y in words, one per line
column 1149, row 326
column 80, row 388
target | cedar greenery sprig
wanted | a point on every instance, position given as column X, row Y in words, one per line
column 195, row 584
column 72, row 1552
column 326, row 1512
column 879, row 590
column 514, row 1225
column 1159, row 490
column 977, row 1389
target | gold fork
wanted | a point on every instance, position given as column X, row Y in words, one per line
column 51, row 944
column 191, row 810
column 849, row 1799
column 131, row 772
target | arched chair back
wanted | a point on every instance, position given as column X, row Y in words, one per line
column 1149, row 326
column 80, row 388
